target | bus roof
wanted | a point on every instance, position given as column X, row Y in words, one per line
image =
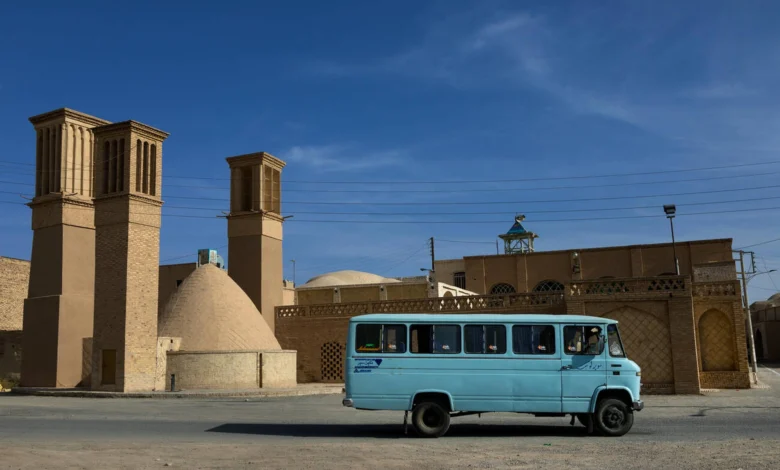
column 478, row 317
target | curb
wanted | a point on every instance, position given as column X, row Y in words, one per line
column 181, row 394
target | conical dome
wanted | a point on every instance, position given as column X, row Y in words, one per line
column 209, row 312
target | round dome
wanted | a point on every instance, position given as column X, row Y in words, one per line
column 347, row 278
column 209, row 312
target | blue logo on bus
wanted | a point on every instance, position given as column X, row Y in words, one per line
column 367, row 365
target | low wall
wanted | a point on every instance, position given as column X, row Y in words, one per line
column 220, row 370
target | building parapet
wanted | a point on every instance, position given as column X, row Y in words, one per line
column 711, row 289
column 645, row 286
column 464, row 304
column 634, row 288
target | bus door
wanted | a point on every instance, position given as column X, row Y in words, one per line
column 583, row 365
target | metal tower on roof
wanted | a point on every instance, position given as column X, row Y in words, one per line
column 518, row 239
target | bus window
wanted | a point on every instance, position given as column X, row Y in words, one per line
column 380, row 338
column 394, row 339
column 533, row 339
column 615, row 344
column 583, row 340
column 435, row 339
column 485, row 339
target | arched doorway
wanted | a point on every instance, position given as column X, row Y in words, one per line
column 716, row 341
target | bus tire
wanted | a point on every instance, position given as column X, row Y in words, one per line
column 613, row 417
column 430, row 419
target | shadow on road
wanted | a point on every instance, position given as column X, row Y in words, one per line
column 395, row 431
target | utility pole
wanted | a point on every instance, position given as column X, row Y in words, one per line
column 746, row 309
column 433, row 257
column 293, row 263
column 497, row 248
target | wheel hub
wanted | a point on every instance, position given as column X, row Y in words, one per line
column 614, row 417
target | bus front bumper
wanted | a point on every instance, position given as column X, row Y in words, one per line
column 638, row 405
column 347, row 402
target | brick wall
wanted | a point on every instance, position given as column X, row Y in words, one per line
column 655, row 314
column 231, row 369
column 14, row 279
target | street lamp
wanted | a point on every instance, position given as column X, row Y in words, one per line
column 669, row 210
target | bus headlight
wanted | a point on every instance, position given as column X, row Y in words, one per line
column 639, row 374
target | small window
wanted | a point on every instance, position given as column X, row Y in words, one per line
column 533, row 339
column 435, row 339
column 502, row 288
column 615, row 344
column 584, row 340
column 380, row 338
column 485, row 339
column 459, row 280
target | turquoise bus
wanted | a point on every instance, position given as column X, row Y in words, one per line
column 440, row 366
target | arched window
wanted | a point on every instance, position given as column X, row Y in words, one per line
column 549, row 286
column 502, row 288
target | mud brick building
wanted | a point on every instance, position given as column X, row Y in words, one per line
column 687, row 332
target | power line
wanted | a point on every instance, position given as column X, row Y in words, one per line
column 466, row 190
column 464, row 241
column 537, row 201
column 556, row 178
column 759, row 244
column 556, row 211
column 328, row 221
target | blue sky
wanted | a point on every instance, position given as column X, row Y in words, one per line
column 416, row 94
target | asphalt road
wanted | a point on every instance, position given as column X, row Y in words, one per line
column 50, row 429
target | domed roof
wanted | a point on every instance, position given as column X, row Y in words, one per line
column 209, row 312
column 347, row 278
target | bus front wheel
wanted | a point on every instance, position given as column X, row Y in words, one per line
column 613, row 417
column 430, row 419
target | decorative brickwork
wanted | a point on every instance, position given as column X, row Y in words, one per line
column 648, row 342
column 332, row 362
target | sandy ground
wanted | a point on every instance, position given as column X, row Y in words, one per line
column 428, row 454
column 738, row 429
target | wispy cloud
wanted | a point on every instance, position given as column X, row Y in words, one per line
column 721, row 91
column 341, row 157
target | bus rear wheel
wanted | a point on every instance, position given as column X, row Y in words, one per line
column 430, row 419
column 613, row 417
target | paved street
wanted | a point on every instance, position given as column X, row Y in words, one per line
column 727, row 429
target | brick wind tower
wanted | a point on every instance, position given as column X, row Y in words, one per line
column 59, row 305
column 255, row 230
column 127, row 251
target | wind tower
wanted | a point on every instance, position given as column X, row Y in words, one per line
column 518, row 240
column 255, row 229
column 59, row 305
column 127, row 252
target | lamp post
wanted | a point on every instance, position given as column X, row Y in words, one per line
column 293, row 263
column 669, row 210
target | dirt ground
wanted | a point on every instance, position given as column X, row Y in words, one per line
column 421, row 454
